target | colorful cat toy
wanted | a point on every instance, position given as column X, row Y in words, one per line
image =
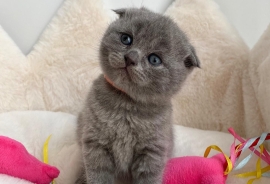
column 214, row 170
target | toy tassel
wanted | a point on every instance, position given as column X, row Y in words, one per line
column 253, row 144
column 259, row 172
column 235, row 152
column 265, row 157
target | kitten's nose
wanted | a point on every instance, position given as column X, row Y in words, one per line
column 131, row 58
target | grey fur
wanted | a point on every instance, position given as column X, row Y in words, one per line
column 126, row 137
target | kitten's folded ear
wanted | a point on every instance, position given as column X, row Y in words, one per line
column 121, row 12
column 192, row 59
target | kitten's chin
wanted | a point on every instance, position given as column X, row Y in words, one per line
column 120, row 78
column 126, row 79
column 123, row 75
column 133, row 90
column 137, row 77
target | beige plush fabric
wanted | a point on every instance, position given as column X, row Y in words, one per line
column 57, row 74
column 260, row 74
column 13, row 70
column 219, row 95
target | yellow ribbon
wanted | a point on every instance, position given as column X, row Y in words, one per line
column 229, row 162
column 45, row 152
column 259, row 171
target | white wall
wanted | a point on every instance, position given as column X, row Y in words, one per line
column 249, row 17
column 24, row 20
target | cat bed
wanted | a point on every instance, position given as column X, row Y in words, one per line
column 231, row 89
column 58, row 72
column 31, row 128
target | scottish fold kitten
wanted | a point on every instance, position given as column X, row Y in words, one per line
column 125, row 128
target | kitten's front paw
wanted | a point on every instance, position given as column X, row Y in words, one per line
column 147, row 169
column 100, row 177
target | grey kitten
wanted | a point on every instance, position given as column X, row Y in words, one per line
column 125, row 128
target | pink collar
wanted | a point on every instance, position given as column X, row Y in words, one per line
column 111, row 83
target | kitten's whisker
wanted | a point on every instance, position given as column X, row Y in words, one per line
column 142, row 3
column 133, row 6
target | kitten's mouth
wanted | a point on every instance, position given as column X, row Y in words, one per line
column 125, row 69
column 125, row 74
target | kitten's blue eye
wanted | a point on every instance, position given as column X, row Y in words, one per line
column 126, row 39
column 154, row 60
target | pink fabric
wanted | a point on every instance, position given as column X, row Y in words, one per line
column 195, row 170
column 17, row 162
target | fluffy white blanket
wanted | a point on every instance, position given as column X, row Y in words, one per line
column 33, row 127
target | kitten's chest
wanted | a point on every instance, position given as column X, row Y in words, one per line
column 124, row 145
column 125, row 127
column 129, row 135
column 129, row 127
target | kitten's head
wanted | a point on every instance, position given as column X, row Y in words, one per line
column 146, row 55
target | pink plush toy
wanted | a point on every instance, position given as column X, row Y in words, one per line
column 194, row 169
column 17, row 162
column 214, row 170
